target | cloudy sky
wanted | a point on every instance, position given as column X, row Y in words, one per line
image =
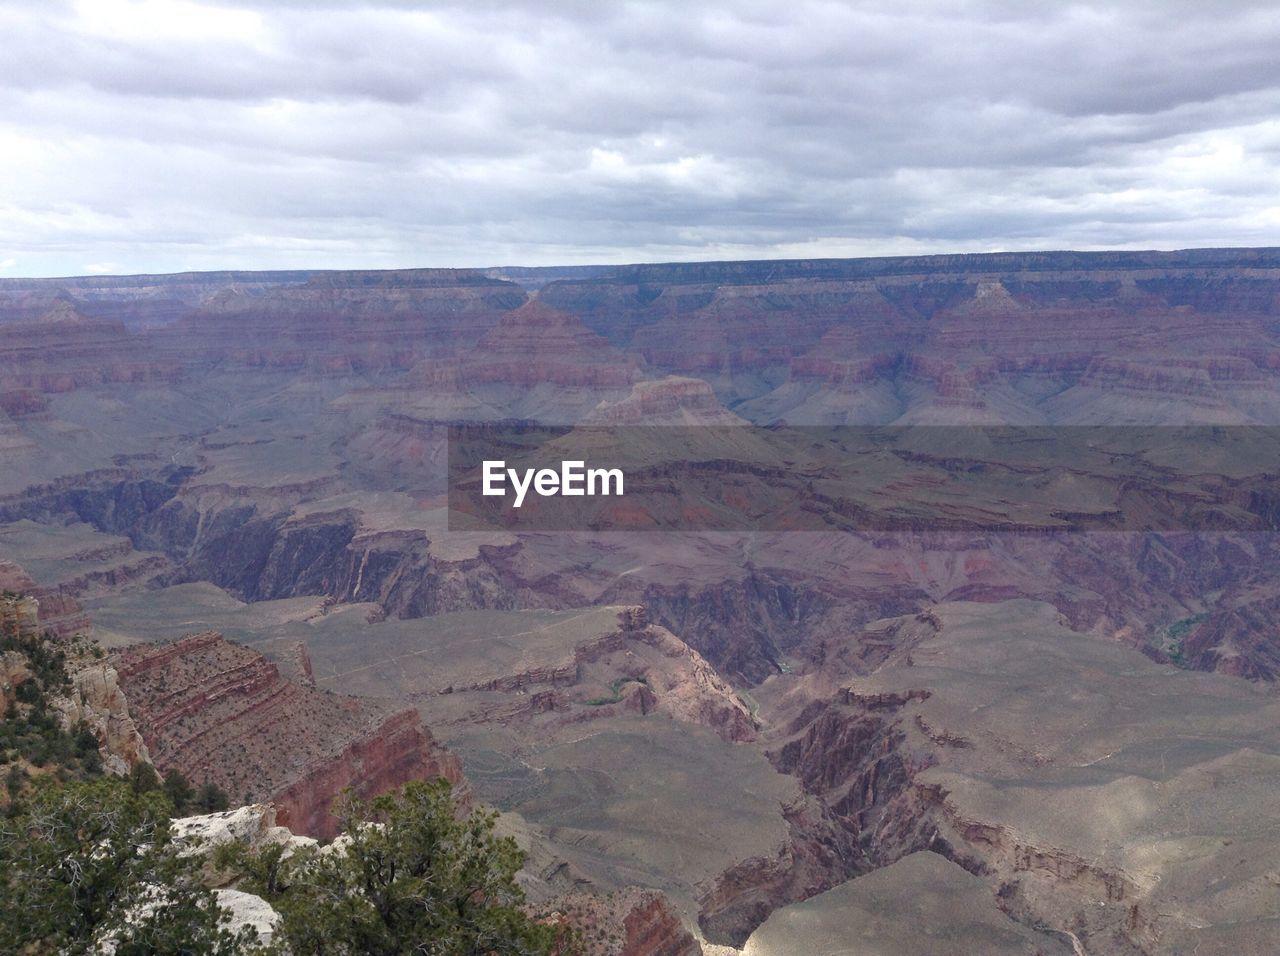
column 160, row 135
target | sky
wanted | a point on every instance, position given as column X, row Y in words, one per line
column 167, row 135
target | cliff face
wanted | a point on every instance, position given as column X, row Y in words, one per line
column 861, row 810
column 222, row 713
column 536, row 344
column 49, row 357
column 97, row 700
column 668, row 401
column 299, row 454
column 632, row 922
column 1240, row 640
column 1022, row 337
column 62, row 335
column 95, row 697
column 45, row 610
column 1000, row 338
column 19, row 614
column 388, row 754
column 340, row 322
column 13, row 672
column 1000, row 739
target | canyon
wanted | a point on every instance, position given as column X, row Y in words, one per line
column 221, row 713
column 1044, row 739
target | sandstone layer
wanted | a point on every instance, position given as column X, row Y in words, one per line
column 223, row 714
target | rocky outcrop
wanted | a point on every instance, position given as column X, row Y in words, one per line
column 1241, row 640
column 819, row 852
column 688, row 688
column 97, row 700
column 41, row 610
column 635, row 668
column 653, row 929
column 387, row 754
column 244, row 910
column 669, row 401
column 537, row 344
column 861, row 811
column 631, row 922
column 19, row 612
column 253, row 826
column 13, row 673
column 222, row 713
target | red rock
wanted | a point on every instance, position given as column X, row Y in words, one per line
column 630, row 922
column 59, row 613
column 222, row 713
column 537, row 344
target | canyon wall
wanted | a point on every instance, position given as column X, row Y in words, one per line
column 222, row 713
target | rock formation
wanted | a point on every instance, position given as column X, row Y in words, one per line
column 45, row 610
column 97, row 700
column 282, row 437
column 668, row 401
column 222, row 713
column 632, row 922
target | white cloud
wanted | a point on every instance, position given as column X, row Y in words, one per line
column 161, row 21
column 171, row 134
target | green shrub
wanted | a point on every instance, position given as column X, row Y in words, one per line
column 417, row 875
column 78, row 865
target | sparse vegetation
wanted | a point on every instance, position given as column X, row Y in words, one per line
column 86, row 858
column 33, row 739
column 417, row 873
column 209, row 798
column 615, row 691
column 35, row 743
column 1176, row 633
column 89, row 861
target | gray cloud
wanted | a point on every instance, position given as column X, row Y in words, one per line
column 143, row 135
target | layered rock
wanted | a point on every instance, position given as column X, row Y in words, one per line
column 553, row 675
column 1052, row 787
column 97, row 701
column 540, row 345
column 342, row 322
column 65, row 351
column 669, row 401
column 877, row 722
column 222, row 713
column 1240, row 640
column 1032, row 325
column 13, row 672
column 94, row 698
column 54, row 610
column 632, row 922
column 19, row 613
column 139, row 300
